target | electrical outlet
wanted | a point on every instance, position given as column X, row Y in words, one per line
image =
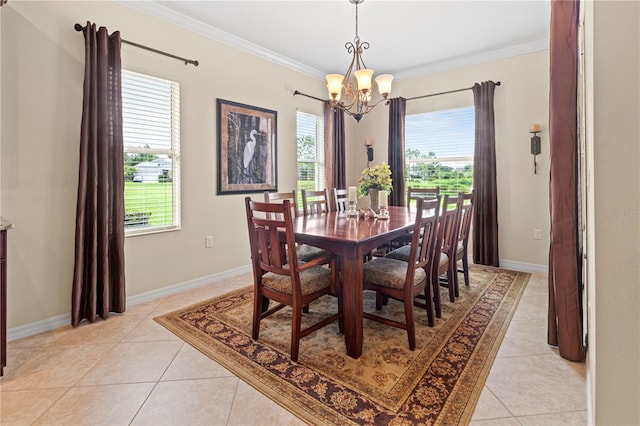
column 537, row 234
column 208, row 241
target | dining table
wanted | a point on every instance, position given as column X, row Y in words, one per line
column 352, row 239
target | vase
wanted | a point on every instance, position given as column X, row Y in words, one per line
column 374, row 196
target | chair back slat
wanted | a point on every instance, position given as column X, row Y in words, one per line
column 427, row 227
column 450, row 220
column 315, row 202
column 414, row 194
column 279, row 197
column 271, row 238
column 466, row 215
column 340, row 200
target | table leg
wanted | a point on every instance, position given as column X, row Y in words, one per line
column 352, row 266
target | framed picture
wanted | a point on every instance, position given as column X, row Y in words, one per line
column 246, row 148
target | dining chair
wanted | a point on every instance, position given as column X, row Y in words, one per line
column 441, row 265
column 340, row 200
column 452, row 205
column 466, row 216
column 315, row 202
column 284, row 279
column 305, row 252
column 404, row 280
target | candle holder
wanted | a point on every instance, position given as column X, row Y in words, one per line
column 352, row 211
column 384, row 213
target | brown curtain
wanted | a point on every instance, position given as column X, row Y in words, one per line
column 564, row 316
column 397, row 112
column 98, row 276
column 485, row 211
column 335, row 174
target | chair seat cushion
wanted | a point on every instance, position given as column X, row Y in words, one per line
column 444, row 259
column 306, row 252
column 390, row 273
column 400, row 254
column 459, row 248
column 311, row 280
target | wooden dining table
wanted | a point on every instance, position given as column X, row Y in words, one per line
column 351, row 239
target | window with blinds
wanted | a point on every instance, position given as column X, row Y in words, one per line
column 151, row 129
column 310, row 135
column 439, row 150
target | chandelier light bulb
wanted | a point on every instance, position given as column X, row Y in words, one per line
column 334, row 85
column 384, row 84
column 363, row 77
column 334, row 96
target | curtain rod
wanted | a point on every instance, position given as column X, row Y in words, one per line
column 409, row 99
column 195, row 63
column 445, row 93
column 308, row 96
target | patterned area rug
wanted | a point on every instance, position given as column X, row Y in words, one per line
column 438, row 383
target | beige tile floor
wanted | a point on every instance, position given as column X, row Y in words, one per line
column 130, row 370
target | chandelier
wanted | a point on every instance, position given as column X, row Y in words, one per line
column 353, row 92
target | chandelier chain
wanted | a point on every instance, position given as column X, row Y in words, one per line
column 357, row 37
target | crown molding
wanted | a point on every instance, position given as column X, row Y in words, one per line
column 190, row 24
column 479, row 58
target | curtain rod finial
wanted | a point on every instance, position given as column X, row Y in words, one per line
column 78, row 27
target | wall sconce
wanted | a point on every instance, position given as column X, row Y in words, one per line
column 369, row 146
column 535, row 144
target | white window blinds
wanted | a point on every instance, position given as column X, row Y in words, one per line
column 310, row 135
column 151, row 128
column 439, row 149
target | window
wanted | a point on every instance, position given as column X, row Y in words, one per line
column 310, row 137
column 151, row 128
column 439, row 150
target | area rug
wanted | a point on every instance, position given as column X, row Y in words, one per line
column 438, row 383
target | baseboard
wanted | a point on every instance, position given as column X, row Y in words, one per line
column 186, row 285
column 522, row 266
column 58, row 321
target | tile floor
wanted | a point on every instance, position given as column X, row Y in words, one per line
column 130, row 370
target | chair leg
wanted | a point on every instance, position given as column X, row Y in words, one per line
column 429, row 305
column 379, row 300
column 465, row 268
column 296, row 320
column 340, row 310
column 451, row 284
column 265, row 304
column 454, row 273
column 258, row 309
column 411, row 326
column 435, row 287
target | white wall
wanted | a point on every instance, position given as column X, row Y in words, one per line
column 522, row 99
column 42, row 77
column 613, row 234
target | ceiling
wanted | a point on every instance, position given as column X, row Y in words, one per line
column 406, row 37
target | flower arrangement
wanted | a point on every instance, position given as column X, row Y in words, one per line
column 378, row 177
